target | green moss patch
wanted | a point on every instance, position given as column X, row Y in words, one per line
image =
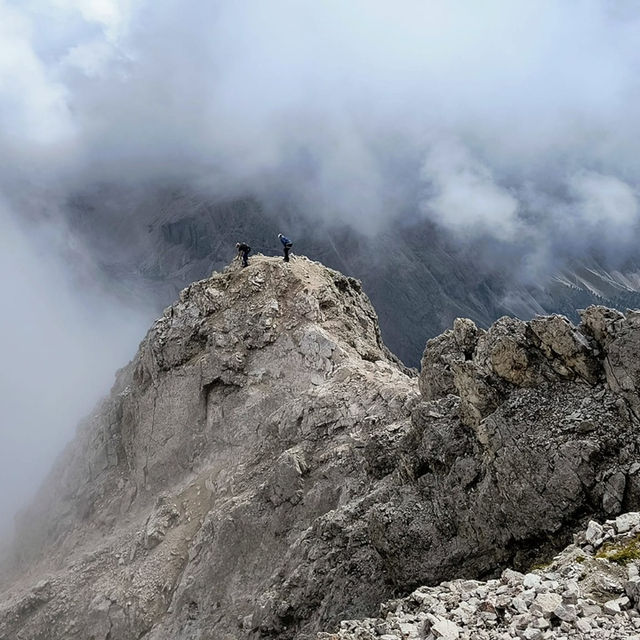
column 621, row 553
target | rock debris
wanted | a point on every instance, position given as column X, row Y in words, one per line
column 590, row 590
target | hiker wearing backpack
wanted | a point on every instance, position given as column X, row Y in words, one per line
column 243, row 250
column 286, row 245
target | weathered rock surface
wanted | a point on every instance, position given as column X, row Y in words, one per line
column 590, row 590
column 265, row 467
column 241, row 422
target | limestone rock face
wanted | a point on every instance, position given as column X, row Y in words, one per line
column 241, row 421
column 484, row 367
column 620, row 336
column 442, row 354
column 264, row 467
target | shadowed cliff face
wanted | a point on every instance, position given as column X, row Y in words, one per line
column 265, row 466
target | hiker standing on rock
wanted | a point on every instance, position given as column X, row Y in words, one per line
column 243, row 250
column 286, row 244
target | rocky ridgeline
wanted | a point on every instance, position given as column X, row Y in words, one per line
column 264, row 467
column 482, row 368
column 590, row 590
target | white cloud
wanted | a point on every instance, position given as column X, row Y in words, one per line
column 236, row 94
column 91, row 58
column 60, row 351
column 110, row 14
column 604, row 201
column 463, row 195
column 33, row 105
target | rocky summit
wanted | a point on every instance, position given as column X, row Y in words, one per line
column 265, row 468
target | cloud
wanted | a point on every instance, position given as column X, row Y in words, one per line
column 604, row 202
column 59, row 351
column 335, row 104
column 464, row 196
column 33, row 109
column 515, row 122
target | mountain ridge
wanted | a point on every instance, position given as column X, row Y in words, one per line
column 265, row 467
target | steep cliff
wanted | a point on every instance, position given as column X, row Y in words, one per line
column 264, row 467
column 238, row 424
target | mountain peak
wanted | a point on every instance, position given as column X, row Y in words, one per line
column 265, row 467
column 239, row 422
column 249, row 308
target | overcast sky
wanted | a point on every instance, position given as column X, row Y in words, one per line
column 517, row 120
column 350, row 104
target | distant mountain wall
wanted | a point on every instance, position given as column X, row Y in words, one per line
column 150, row 245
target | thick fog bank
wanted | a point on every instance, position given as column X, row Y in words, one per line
column 61, row 343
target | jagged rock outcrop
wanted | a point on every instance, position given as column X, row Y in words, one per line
column 518, row 435
column 590, row 590
column 482, row 367
column 264, row 466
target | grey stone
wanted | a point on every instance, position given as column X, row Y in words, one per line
column 545, row 604
column 520, row 605
column 305, row 478
column 632, row 589
column 540, row 623
column 627, row 521
column 571, row 593
column 436, row 374
column 583, row 625
column 566, row 612
column 512, row 577
column 614, row 489
column 594, row 533
column 445, row 629
column 568, row 350
column 589, row 609
column 531, row 581
column 611, row 607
